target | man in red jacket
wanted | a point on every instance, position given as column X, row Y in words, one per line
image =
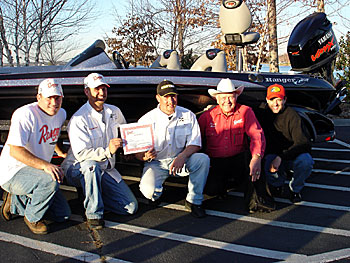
column 225, row 130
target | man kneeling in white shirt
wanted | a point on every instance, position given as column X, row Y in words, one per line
column 93, row 135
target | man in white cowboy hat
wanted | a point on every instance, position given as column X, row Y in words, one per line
column 224, row 130
column 31, row 182
column 90, row 164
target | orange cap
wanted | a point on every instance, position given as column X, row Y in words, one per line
column 275, row 91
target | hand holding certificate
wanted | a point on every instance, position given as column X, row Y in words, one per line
column 137, row 137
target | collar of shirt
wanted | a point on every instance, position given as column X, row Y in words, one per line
column 166, row 116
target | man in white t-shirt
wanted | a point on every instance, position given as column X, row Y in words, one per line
column 93, row 135
column 30, row 181
column 177, row 141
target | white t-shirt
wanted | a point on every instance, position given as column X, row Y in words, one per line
column 36, row 131
column 173, row 133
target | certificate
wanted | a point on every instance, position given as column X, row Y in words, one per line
column 137, row 137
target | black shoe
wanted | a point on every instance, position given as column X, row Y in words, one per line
column 276, row 191
column 223, row 197
column 154, row 203
column 294, row 197
column 196, row 210
column 95, row 224
column 262, row 205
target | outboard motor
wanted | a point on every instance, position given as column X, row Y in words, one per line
column 313, row 47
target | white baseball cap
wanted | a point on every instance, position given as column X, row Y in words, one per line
column 94, row 80
column 50, row 87
column 226, row 86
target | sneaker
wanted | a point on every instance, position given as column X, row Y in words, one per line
column 6, row 206
column 95, row 224
column 39, row 227
column 262, row 205
column 196, row 210
column 294, row 197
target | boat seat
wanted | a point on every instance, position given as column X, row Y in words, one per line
column 213, row 60
column 169, row 59
column 235, row 19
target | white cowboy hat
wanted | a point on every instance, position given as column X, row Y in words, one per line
column 225, row 86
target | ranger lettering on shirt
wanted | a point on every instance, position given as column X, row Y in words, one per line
column 46, row 134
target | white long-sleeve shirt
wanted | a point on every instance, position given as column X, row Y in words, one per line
column 89, row 134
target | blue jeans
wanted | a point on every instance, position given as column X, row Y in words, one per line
column 101, row 190
column 302, row 167
column 34, row 193
column 155, row 173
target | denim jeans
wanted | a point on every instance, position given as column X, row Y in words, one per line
column 34, row 193
column 155, row 173
column 301, row 166
column 101, row 190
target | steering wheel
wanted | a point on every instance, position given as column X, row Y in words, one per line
column 119, row 61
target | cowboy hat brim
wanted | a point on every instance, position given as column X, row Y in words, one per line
column 214, row 92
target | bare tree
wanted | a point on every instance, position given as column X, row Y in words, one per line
column 28, row 21
column 272, row 28
column 186, row 22
column 4, row 43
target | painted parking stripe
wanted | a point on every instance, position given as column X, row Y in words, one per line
column 56, row 249
column 328, row 187
column 330, row 172
column 275, row 223
column 337, row 141
column 304, row 203
column 325, row 257
column 253, row 251
column 330, row 149
column 331, row 160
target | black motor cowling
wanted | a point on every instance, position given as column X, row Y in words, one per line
column 312, row 46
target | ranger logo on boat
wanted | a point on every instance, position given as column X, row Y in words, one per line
column 295, row 81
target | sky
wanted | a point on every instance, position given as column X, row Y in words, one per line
column 105, row 21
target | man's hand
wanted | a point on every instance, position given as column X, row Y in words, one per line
column 177, row 165
column 150, row 155
column 146, row 156
column 255, row 168
column 114, row 144
column 55, row 171
column 275, row 164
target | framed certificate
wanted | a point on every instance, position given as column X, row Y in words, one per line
column 137, row 137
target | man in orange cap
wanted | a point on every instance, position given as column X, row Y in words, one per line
column 288, row 146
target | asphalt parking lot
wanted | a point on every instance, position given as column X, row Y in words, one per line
column 316, row 230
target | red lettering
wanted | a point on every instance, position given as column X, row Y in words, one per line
column 322, row 50
column 46, row 134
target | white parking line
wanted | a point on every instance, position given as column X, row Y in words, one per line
column 325, row 257
column 331, row 160
column 330, row 172
column 259, row 252
column 288, row 225
column 340, row 143
column 328, row 187
column 304, row 203
column 330, row 149
column 56, row 249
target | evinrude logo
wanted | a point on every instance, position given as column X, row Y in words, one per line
column 330, row 45
column 295, row 81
